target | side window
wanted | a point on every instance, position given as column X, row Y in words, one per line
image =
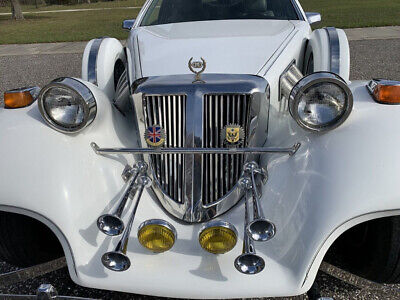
column 153, row 17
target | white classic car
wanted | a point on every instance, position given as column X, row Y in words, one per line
column 225, row 140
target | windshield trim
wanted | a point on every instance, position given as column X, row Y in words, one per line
column 147, row 5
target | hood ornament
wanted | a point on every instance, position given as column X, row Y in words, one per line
column 197, row 65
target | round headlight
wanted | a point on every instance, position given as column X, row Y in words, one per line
column 67, row 105
column 320, row 101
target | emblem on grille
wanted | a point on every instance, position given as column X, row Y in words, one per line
column 197, row 65
column 155, row 136
column 232, row 135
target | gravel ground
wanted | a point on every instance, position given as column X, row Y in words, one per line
column 369, row 59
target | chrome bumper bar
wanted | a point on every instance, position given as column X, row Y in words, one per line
column 256, row 150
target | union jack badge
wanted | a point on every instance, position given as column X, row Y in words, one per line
column 155, row 136
column 232, row 135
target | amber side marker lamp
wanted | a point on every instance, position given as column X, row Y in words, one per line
column 385, row 91
column 21, row 97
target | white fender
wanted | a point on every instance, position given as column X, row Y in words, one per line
column 333, row 182
column 336, row 180
column 329, row 49
column 98, row 63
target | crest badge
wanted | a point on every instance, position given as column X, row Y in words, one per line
column 200, row 65
column 232, row 135
column 155, row 136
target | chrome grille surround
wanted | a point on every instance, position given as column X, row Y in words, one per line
column 181, row 106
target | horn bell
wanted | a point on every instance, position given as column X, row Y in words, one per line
column 116, row 261
column 261, row 230
column 249, row 264
column 110, row 225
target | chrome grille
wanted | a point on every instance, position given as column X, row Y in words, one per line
column 199, row 187
column 222, row 171
column 168, row 111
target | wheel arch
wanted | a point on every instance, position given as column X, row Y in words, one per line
column 334, row 235
column 99, row 63
column 329, row 49
column 55, row 229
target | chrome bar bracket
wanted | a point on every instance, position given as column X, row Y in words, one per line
column 255, row 150
column 127, row 173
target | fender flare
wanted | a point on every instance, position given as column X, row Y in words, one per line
column 55, row 229
column 335, row 234
column 98, row 63
column 328, row 50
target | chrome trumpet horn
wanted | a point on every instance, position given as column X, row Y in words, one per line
column 248, row 262
column 112, row 224
column 259, row 228
column 117, row 260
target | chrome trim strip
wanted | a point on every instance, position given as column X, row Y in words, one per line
column 92, row 61
column 191, row 151
column 334, row 47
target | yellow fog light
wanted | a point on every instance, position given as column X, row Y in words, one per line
column 156, row 235
column 218, row 237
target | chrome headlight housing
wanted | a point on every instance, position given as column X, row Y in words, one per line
column 67, row 105
column 320, row 101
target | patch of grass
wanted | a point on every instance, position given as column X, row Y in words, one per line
column 106, row 4
column 81, row 26
column 355, row 13
column 65, row 27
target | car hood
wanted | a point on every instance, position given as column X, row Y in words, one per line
column 229, row 46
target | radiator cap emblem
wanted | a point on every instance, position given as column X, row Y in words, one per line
column 155, row 136
column 197, row 65
column 232, row 135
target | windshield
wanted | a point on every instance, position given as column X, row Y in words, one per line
column 177, row 11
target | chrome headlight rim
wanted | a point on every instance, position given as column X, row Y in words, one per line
column 80, row 89
column 310, row 80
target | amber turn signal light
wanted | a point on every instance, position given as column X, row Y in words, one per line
column 19, row 98
column 385, row 91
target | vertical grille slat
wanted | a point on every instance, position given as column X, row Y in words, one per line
column 221, row 171
column 216, row 175
column 169, row 145
column 168, row 111
column 222, row 190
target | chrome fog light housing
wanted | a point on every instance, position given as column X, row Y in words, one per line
column 218, row 237
column 157, row 235
column 320, row 101
column 67, row 105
